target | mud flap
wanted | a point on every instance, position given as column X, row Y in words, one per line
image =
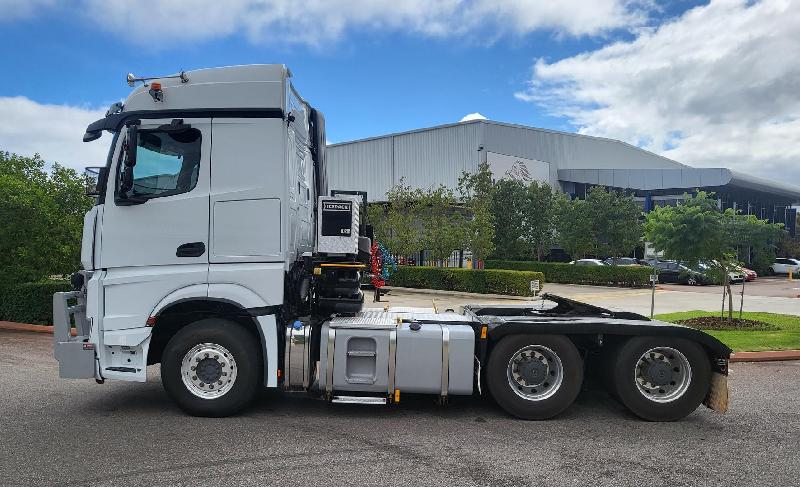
column 717, row 398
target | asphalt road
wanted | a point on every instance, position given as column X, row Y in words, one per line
column 60, row 432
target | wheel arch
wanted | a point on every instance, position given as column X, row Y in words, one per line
column 229, row 301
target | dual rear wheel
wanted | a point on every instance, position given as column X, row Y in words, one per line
column 657, row 378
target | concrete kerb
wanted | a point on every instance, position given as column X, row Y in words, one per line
column 767, row 356
column 10, row 325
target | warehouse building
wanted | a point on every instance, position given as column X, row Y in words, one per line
column 569, row 162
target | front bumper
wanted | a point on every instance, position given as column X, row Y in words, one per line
column 75, row 354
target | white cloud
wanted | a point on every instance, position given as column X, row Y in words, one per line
column 53, row 131
column 472, row 116
column 717, row 86
column 317, row 21
column 17, row 9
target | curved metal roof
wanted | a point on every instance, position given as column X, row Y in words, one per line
column 683, row 178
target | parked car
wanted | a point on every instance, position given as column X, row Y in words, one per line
column 588, row 262
column 622, row 261
column 736, row 274
column 784, row 265
column 674, row 272
column 749, row 274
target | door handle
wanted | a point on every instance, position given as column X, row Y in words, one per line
column 193, row 249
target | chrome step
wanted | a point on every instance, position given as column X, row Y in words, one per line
column 358, row 400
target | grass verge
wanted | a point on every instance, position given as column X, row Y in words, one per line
column 786, row 337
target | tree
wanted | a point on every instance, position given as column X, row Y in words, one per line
column 42, row 218
column 616, row 225
column 756, row 239
column 696, row 231
column 478, row 230
column 538, row 219
column 574, row 227
column 395, row 225
column 440, row 224
column 508, row 210
column 788, row 247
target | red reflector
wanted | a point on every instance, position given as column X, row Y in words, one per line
column 151, row 321
column 155, row 86
column 88, row 346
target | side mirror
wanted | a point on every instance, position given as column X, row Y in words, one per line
column 93, row 179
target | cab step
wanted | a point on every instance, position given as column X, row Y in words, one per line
column 359, row 400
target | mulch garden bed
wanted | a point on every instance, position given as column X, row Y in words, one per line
column 718, row 323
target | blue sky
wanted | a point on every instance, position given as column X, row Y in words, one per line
column 377, row 67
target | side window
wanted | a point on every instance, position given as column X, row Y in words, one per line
column 166, row 163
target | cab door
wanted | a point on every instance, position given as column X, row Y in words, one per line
column 155, row 225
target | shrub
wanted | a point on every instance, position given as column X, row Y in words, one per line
column 625, row 276
column 31, row 302
column 495, row 281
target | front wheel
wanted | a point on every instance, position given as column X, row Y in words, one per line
column 661, row 378
column 534, row 376
column 212, row 367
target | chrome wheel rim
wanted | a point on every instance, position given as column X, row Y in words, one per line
column 208, row 370
column 663, row 374
column 535, row 373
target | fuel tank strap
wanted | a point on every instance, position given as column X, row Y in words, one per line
column 445, row 360
column 392, row 362
column 329, row 365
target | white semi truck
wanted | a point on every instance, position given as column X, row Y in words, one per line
column 217, row 249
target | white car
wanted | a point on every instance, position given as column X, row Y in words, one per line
column 588, row 262
column 784, row 266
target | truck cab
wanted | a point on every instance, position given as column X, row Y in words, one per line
column 207, row 199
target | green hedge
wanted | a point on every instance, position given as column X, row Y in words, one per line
column 31, row 302
column 516, row 283
column 609, row 275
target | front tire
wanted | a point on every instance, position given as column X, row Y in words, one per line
column 534, row 377
column 661, row 378
column 212, row 367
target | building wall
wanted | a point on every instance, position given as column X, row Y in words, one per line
column 439, row 155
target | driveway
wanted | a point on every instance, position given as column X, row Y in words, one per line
column 779, row 287
column 61, row 432
column 771, row 295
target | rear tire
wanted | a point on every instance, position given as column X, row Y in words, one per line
column 212, row 367
column 534, row 377
column 661, row 378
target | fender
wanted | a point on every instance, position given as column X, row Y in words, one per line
column 605, row 326
column 244, row 299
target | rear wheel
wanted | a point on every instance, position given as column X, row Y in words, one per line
column 534, row 376
column 212, row 367
column 661, row 378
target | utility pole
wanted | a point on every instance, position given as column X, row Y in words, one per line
column 653, row 280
